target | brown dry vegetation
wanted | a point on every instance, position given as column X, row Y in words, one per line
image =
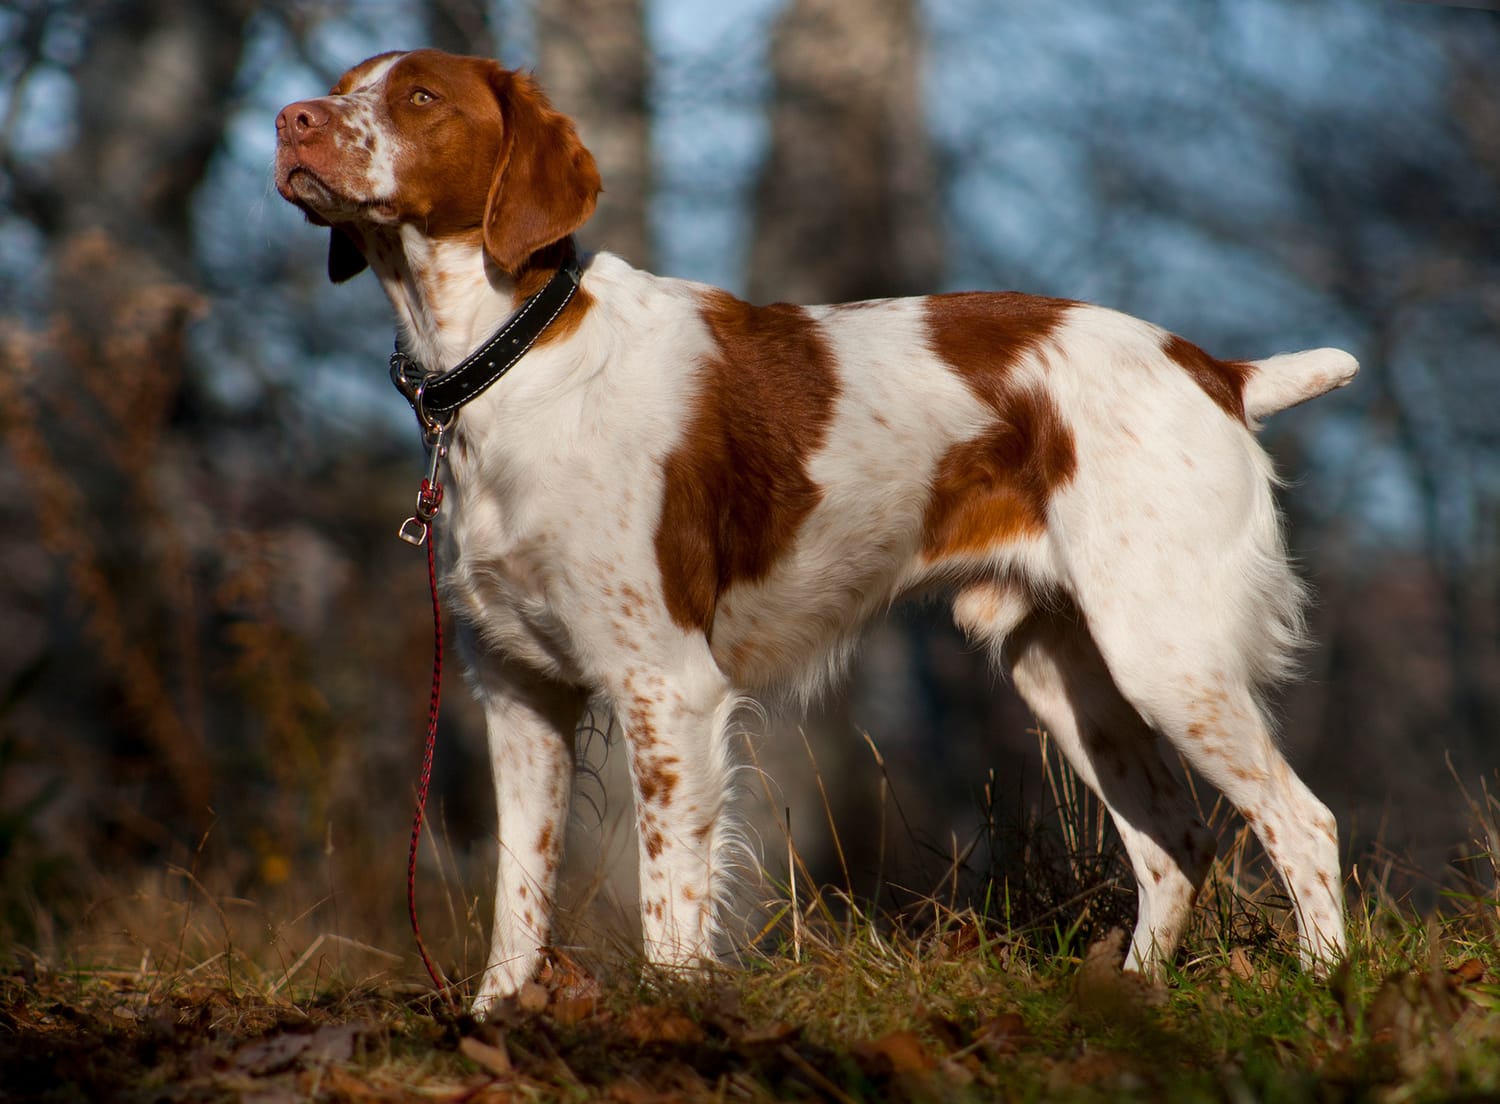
column 179, row 994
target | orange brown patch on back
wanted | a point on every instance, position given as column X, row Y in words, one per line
column 1221, row 380
column 995, row 487
column 736, row 488
column 983, row 335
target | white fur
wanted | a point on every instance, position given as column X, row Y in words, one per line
column 1146, row 616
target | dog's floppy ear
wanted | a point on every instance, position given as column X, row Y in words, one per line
column 546, row 182
column 345, row 261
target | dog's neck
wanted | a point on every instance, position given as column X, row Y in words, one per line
column 447, row 294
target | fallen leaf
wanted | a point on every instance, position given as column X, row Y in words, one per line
column 276, row 1053
column 1468, row 972
column 336, row 1042
column 337, row 1084
column 896, row 1052
column 1239, row 964
column 777, row 1031
column 962, row 940
column 1103, row 992
column 572, row 1010
column 656, row 1024
column 1089, row 1069
column 564, row 977
column 1004, row 1035
column 492, row 1059
column 532, row 997
column 270, row 1055
column 948, row 1033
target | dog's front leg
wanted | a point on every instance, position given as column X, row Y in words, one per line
column 530, row 723
column 674, row 724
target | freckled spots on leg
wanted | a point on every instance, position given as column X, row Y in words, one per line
column 522, row 892
column 655, row 843
column 639, row 729
column 688, row 893
column 656, row 781
column 544, row 840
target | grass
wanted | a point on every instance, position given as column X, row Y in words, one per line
column 1020, row 998
column 959, row 1010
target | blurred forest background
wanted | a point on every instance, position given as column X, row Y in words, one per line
column 214, row 654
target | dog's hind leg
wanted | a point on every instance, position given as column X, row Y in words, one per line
column 1207, row 709
column 530, row 725
column 1208, row 613
column 1058, row 672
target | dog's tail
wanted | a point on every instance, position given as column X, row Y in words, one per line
column 1282, row 381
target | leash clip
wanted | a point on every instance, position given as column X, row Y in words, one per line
column 416, row 529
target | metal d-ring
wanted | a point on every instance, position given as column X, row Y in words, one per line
column 432, row 427
column 406, row 374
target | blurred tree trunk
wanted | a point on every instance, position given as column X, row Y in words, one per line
column 154, row 81
column 592, row 59
column 846, row 206
column 461, row 27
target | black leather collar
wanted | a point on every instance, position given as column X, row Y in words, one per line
column 436, row 397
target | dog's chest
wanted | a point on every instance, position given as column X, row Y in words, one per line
column 532, row 542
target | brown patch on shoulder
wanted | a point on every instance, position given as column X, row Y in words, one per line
column 1222, row 380
column 737, row 489
column 995, row 487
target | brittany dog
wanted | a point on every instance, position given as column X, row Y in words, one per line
column 663, row 499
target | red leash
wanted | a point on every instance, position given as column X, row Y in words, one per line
column 418, row 530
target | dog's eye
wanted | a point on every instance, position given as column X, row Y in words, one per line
column 421, row 97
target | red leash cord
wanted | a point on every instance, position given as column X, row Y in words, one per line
column 418, row 530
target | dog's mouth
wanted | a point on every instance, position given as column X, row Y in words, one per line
column 323, row 204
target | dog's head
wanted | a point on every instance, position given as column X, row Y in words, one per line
column 457, row 147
